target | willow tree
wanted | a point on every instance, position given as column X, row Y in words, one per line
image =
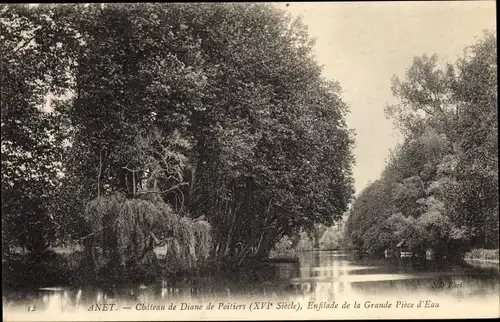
column 124, row 230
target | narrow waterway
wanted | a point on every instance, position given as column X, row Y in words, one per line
column 318, row 281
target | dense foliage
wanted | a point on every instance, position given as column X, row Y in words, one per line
column 439, row 188
column 320, row 238
column 218, row 112
column 483, row 254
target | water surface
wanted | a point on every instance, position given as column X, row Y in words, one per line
column 318, row 277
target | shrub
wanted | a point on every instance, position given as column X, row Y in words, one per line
column 282, row 247
column 486, row 254
column 331, row 240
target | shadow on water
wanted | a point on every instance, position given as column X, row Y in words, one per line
column 315, row 276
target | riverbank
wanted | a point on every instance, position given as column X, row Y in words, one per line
column 56, row 267
column 484, row 260
column 483, row 255
column 48, row 269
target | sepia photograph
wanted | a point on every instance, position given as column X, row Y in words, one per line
column 249, row 161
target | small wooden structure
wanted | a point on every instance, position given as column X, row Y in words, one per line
column 403, row 251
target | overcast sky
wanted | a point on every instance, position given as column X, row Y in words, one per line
column 362, row 44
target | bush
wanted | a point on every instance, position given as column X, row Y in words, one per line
column 485, row 254
column 305, row 243
column 282, row 247
column 331, row 240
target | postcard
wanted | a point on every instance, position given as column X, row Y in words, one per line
column 249, row 161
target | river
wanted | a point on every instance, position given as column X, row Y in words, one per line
column 325, row 284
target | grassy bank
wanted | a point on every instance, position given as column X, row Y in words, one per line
column 489, row 255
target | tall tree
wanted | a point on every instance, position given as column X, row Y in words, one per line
column 269, row 151
column 444, row 176
column 33, row 65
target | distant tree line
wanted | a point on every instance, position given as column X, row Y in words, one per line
column 320, row 237
column 439, row 188
column 162, row 116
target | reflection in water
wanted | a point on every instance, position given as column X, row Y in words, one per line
column 318, row 276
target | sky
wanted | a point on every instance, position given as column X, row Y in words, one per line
column 363, row 44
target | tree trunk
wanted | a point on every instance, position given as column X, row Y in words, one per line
column 230, row 233
column 133, row 184
column 191, row 186
column 100, row 173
